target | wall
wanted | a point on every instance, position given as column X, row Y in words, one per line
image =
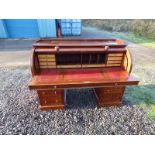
column 3, row 32
column 27, row 28
column 47, row 27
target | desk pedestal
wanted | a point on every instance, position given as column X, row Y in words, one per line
column 109, row 96
column 51, row 99
column 55, row 98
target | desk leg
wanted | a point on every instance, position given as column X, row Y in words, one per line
column 109, row 96
column 51, row 99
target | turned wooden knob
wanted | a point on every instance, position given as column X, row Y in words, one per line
column 106, row 47
column 56, row 48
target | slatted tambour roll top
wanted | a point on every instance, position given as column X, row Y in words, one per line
column 80, row 53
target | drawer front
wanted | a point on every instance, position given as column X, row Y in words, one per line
column 109, row 96
column 50, row 101
column 109, row 90
column 50, row 93
column 51, row 97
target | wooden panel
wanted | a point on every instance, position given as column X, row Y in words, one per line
column 114, row 61
column 109, row 96
column 46, row 56
column 47, row 61
column 107, row 73
column 51, row 99
column 43, row 66
column 50, row 56
column 51, row 66
column 51, row 63
column 42, row 56
column 114, row 58
column 43, row 63
column 50, row 59
column 110, row 77
column 115, row 54
column 53, row 92
column 79, row 66
column 47, row 66
column 110, row 65
column 94, row 65
column 68, row 66
column 127, row 62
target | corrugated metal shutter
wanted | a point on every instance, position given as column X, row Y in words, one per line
column 47, row 27
column 22, row 28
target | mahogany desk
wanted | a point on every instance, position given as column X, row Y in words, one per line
column 61, row 64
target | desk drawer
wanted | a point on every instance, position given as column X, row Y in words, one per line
column 110, row 90
column 51, row 97
column 50, row 93
column 109, row 96
column 50, row 101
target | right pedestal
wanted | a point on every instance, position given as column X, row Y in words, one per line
column 109, row 96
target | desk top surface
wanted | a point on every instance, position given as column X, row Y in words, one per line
column 79, row 42
column 66, row 78
column 79, row 45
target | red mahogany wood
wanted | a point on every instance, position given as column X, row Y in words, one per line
column 77, row 50
column 76, row 78
column 109, row 96
column 51, row 99
column 102, row 64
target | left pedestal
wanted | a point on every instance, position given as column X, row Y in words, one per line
column 51, row 99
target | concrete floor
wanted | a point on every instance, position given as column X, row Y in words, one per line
column 15, row 52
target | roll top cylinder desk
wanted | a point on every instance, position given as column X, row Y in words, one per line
column 60, row 64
